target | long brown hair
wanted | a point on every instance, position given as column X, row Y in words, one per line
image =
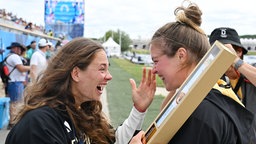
column 53, row 88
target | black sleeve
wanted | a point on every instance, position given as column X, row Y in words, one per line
column 38, row 127
column 194, row 131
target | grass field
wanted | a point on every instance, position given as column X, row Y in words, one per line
column 119, row 92
column 134, row 69
column 251, row 53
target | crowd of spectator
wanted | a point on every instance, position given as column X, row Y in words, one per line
column 20, row 22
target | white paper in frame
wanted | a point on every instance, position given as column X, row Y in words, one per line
column 191, row 93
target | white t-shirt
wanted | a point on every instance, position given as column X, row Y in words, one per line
column 39, row 60
column 11, row 62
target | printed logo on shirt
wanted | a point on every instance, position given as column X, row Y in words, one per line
column 67, row 126
column 74, row 140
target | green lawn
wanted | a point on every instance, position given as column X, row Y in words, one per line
column 119, row 92
column 251, row 53
column 134, row 69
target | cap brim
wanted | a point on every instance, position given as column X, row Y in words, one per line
column 225, row 41
column 9, row 47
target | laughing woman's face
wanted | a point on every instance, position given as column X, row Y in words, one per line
column 89, row 84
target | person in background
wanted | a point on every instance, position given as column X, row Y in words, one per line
column 31, row 49
column 29, row 26
column 64, row 106
column 38, row 61
column 176, row 48
column 25, row 63
column 50, row 52
column 240, row 75
column 15, row 86
column 50, row 33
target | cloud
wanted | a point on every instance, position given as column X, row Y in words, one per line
column 141, row 18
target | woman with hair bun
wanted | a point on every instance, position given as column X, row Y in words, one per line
column 176, row 48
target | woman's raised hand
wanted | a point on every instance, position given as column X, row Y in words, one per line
column 144, row 94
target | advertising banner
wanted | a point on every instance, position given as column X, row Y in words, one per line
column 64, row 18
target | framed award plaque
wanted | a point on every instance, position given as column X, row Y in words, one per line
column 191, row 93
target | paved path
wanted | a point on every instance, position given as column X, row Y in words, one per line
column 161, row 91
column 3, row 134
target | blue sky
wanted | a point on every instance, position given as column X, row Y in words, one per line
column 141, row 18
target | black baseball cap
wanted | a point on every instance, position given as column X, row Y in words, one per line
column 16, row 44
column 226, row 36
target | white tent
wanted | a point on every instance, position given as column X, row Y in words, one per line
column 112, row 48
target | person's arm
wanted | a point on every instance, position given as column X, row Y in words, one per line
column 142, row 98
column 33, row 74
column 16, row 61
column 34, row 61
column 244, row 68
column 22, row 68
column 248, row 71
column 134, row 122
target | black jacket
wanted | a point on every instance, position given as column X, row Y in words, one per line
column 42, row 126
column 249, row 93
column 217, row 120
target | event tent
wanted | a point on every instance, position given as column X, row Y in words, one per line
column 112, row 48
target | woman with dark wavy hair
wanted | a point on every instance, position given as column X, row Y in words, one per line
column 63, row 106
